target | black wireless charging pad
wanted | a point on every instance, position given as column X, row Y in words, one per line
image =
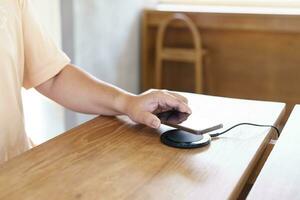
column 184, row 140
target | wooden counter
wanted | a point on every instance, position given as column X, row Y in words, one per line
column 251, row 53
column 112, row 158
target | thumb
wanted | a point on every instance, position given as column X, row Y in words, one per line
column 149, row 119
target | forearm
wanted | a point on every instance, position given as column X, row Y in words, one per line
column 79, row 91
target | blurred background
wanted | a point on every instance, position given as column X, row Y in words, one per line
column 102, row 37
column 249, row 49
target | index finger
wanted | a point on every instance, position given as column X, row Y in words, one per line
column 168, row 100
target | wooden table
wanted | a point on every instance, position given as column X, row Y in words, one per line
column 280, row 177
column 113, row 158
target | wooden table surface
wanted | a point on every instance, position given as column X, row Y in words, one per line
column 113, row 158
column 280, row 176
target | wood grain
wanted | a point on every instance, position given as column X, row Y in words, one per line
column 113, row 158
column 252, row 56
column 280, row 177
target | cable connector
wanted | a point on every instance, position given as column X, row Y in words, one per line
column 246, row 124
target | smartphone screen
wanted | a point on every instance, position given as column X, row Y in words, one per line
column 193, row 123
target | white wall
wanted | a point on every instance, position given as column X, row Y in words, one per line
column 107, row 35
column 43, row 118
column 102, row 36
column 107, row 42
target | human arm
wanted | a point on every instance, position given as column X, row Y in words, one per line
column 79, row 91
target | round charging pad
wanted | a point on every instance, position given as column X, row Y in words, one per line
column 184, row 140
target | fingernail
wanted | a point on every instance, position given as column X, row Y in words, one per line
column 155, row 123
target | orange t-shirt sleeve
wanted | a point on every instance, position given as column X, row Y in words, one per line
column 43, row 59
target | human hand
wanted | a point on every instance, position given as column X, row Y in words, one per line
column 142, row 108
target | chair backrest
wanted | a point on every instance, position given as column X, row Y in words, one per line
column 197, row 50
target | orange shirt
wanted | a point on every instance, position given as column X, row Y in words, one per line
column 28, row 57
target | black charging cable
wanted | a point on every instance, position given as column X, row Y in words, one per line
column 245, row 124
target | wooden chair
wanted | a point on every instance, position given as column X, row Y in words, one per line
column 188, row 55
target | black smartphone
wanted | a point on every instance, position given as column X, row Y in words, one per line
column 193, row 123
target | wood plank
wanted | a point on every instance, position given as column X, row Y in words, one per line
column 231, row 21
column 179, row 54
column 280, row 176
column 227, row 9
column 113, row 158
